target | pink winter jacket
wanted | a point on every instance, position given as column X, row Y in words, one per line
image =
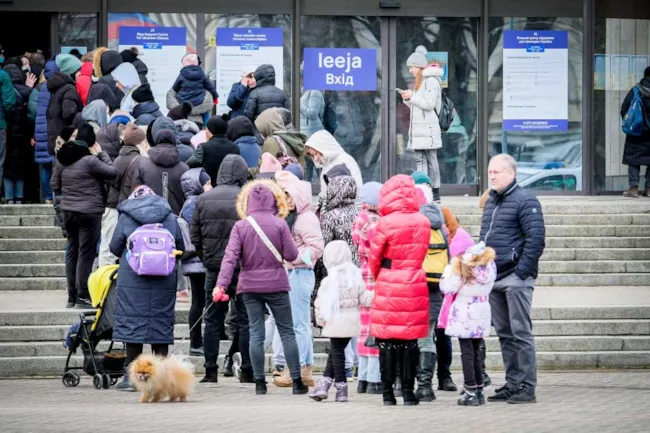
column 306, row 231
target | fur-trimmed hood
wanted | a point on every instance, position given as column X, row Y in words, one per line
column 262, row 196
column 478, row 263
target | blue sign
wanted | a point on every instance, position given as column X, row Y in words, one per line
column 536, row 40
column 536, row 125
column 340, row 69
column 153, row 37
column 250, row 38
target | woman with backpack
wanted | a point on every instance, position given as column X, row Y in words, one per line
column 287, row 147
column 146, row 295
column 425, row 102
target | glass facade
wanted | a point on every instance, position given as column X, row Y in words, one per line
column 77, row 31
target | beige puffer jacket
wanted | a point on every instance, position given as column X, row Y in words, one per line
column 424, row 127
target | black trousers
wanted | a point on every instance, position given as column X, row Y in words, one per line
column 84, row 232
column 335, row 368
column 133, row 350
column 470, row 356
column 443, row 350
column 197, row 284
column 398, row 353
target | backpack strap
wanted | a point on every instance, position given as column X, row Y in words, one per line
column 281, row 144
column 126, row 172
column 265, row 238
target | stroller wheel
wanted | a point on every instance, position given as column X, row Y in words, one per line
column 70, row 379
column 106, row 381
column 98, row 381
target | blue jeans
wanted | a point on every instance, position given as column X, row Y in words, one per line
column 14, row 189
column 46, row 175
column 369, row 369
column 280, row 306
column 351, row 356
column 302, row 286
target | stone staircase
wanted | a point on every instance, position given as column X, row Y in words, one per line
column 591, row 307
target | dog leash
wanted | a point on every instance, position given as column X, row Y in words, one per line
column 180, row 343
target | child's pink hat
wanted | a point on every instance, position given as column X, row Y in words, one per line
column 270, row 164
column 461, row 242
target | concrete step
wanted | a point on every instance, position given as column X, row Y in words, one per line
column 593, row 280
column 13, row 232
column 578, row 231
column 562, row 206
column 26, row 220
column 34, row 257
column 592, row 220
column 597, row 242
column 588, row 267
column 31, row 209
column 540, row 328
column 53, row 365
column 34, row 283
column 40, row 270
column 33, row 244
column 64, row 316
column 571, row 254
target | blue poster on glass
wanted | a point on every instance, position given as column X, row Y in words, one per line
column 352, row 69
column 535, row 80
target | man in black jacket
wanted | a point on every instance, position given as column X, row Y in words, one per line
column 211, row 154
column 212, row 222
column 513, row 225
column 265, row 95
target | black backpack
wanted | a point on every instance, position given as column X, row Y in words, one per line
column 446, row 114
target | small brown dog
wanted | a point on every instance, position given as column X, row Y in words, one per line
column 160, row 378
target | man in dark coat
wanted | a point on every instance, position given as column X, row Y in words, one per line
column 104, row 63
column 513, row 225
column 146, row 110
column 162, row 171
column 166, row 123
column 79, row 178
column 265, row 94
column 144, row 305
column 210, row 154
column 65, row 103
column 637, row 149
column 212, row 222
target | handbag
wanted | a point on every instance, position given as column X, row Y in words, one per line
column 371, row 342
column 265, row 239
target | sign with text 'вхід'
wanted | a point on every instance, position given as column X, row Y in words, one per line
column 351, row 69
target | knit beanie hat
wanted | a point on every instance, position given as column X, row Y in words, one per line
column 270, row 164
column 190, row 60
column 130, row 55
column 142, row 93
column 67, row 63
column 133, row 135
column 217, row 125
column 296, row 169
column 86, row 133
column 418, row 58
column 181, row 111
column 420, row 177
column 67, row 132
column 462, row 241
column 370, row 193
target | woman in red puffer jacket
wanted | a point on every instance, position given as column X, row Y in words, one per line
column 84, row 81
column 400, row 310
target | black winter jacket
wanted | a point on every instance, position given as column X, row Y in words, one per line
column 146, row 112
column 513, row 224
column 216, row 212
column 108, row 138
column 162, row 173
column 637, row 149
column 64, row 105
column 265, row 94
column 79, row 178
column 19, row 153
column 211, row 154
column 122, row 185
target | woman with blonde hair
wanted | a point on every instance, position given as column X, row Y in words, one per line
column 425, row 101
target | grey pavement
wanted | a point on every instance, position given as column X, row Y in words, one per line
column 607, row 401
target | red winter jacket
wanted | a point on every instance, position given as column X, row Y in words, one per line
column 84, row 81
column 400, row 309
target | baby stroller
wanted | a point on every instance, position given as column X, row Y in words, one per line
column 93, row 327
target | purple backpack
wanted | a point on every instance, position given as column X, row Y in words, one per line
column 151, row 250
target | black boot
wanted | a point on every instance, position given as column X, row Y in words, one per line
column 410, row 360
column 425, row 374
column 388, row 395
column 387, row 365
column 246, row 375
column 299, row 387
column 260, row 386
column 362, row 387
column 211, row 375
column 72, row 299
column 227, row 367
column 436, row 195
column 486, row 379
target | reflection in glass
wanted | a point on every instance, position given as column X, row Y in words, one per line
column 78, row 30
column 352, row 117
column 452, row 41
column 538, row 153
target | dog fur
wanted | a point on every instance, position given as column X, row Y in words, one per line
column 161, row 378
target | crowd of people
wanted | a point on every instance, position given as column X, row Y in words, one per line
column 385, row 271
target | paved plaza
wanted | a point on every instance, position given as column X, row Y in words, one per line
column 607, row 401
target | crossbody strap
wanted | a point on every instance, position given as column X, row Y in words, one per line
column 127, row 172
column 265, row 238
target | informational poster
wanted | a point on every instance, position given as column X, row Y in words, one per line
column 244, row 48
column 351, row 69
column 162, row 49
column 441, row 58
column 67, row 49
column 601, row 72
column 620, row 72
column 637, row 68
column 535, row 80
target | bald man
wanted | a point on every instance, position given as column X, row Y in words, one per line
column 513, row 225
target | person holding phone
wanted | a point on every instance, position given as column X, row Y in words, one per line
column 239, row 92
column 425, row 100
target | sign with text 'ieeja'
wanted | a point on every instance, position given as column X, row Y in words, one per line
column 351, row 69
